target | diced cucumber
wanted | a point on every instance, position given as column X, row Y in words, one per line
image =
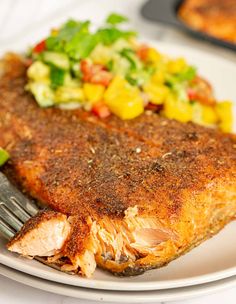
column 59, row 60
column 4, row 156
column 68, row 94
column 43, row 94
column 38, row 71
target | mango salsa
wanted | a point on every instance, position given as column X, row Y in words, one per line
column 107, row 70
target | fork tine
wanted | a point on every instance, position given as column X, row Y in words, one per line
column 15, row 200
column 17, row 209
column 5, row 230
column 10, row 217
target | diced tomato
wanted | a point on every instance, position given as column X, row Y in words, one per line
column 191, row 94
column 101, row 110
column 154, row 107
column 201, row 90
column 95, row 73
column 102, row 77
column 86, row 69
column 40, row 47
column 142, row 52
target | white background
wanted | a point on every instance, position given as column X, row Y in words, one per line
column 26, row 21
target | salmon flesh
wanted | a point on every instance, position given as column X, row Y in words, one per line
column 126, row 196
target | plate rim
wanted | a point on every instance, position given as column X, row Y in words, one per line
column 175, row 294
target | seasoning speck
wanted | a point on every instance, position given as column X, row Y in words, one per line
column 138, row 150
column 166, row 154
column 92, row 150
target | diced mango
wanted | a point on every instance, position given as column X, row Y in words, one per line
column 93, row 92
column 204, row 115
column 176, row 66
column 117, row 85
column 123, row 99
column 158, row 77
column 225, row 113
column 175, row 108
column 126, row 106
column 157, row 93
column 209, row 115
column 153, row 56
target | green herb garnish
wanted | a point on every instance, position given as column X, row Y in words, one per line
column 4, row 156
column 76, row 40
column 115, row 19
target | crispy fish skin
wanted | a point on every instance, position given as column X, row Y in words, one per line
column 141, row 192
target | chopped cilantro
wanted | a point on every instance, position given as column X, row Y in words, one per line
column 108, row 36
column 187, row 75
column 77, row 41
column 115, row 19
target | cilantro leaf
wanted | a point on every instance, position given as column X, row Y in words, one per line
column 81, row 45
column 115, row 19
column 188, row 74
column 68, row 36
column 129, row 55
column 108, row 36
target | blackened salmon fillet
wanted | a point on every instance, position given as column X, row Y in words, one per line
column 127, row 196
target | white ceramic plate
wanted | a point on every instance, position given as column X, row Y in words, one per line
column 167, row 295
column 213, row 260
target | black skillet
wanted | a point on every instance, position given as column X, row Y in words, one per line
column 166, row 11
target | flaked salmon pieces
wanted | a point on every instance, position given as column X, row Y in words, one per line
column 126, row 195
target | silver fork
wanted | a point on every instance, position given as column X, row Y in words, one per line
column 15, row 208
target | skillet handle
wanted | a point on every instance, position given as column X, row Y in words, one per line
column 162, row 10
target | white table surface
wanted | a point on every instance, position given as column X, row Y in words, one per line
column 24, row 21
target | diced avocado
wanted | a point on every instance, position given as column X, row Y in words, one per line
column 4, row 156
column 59, row 60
